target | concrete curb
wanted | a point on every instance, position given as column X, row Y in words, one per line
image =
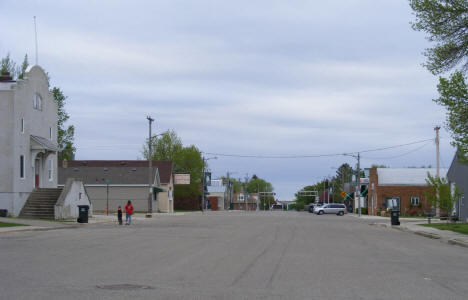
column 431, row 235
column 428, row 234
column 458, row 242
column 35, row 228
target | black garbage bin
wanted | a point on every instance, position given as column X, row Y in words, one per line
column 83, row 213
column 395, row 217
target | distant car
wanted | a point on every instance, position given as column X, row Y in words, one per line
column 313, row 205
column 331, row 208
column 309, row 207
column 276, row 207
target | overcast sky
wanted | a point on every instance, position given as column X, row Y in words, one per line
column 239, row 77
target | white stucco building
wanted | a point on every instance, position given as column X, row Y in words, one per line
column 28, row 138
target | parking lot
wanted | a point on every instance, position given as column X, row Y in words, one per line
column 231, row 255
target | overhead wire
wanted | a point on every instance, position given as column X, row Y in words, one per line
column 293, row 156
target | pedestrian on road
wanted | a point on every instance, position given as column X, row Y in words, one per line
column 128, row 213
column 119, row 215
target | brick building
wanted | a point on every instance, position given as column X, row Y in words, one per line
column 239, row 201
column 407, row 185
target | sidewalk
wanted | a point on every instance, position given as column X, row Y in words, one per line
column 412, row 225
column 34, row 225
column 40, row 225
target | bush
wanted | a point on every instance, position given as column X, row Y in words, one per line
column 363, row 210
column 299, row 206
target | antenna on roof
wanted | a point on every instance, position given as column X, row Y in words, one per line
column 35, row 35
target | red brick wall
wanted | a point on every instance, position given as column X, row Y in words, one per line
column 186, row 203
column 213, row 202
column 382, row 192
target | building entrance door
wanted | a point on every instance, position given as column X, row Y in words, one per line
column 37, row 165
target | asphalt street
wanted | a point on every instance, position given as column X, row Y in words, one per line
column 231, row 255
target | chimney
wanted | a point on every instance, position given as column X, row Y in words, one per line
column 6, row 76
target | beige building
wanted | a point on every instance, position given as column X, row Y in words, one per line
column 113, row 183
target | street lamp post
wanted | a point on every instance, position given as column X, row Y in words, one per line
column 150, row 171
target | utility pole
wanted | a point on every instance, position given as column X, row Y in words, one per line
column 437, row 164
column 258, row 197
column 150, row 170
column 246, row 193
column 358, row 182
column 229, row 190
column 437, row 150
column 203, row 185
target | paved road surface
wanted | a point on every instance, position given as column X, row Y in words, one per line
column 231, row 255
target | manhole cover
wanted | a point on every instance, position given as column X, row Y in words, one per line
column 124, row 286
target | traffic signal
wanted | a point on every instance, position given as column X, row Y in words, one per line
column 343, row 194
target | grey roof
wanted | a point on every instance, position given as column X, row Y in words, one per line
column 118, row 172
column 407, row 176
column 97, row 175
column 47, row 144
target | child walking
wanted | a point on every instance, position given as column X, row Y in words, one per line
column 119, row 215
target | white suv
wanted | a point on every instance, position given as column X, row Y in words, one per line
column 331, row 208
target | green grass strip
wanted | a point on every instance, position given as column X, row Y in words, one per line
column 5, row 224
column 457, row 227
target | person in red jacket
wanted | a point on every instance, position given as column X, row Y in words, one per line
column 128, row 213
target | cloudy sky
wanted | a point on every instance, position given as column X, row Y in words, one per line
column 259, row 77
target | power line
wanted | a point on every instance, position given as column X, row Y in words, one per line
column 293, row 156
column 400, row 155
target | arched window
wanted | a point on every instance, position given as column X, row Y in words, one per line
column 37, row 102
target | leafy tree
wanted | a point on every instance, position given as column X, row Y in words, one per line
column 302, row 200
column 164, row 147
column 441, row 195
column 185, row 159
column 8, row 65
column 445, row 22
column 257, row 184
column 454, row 97
column 66, row 134
column 378, row 166
column 23, row 67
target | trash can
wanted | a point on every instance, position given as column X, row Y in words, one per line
column 395, row 216
column 83, row 213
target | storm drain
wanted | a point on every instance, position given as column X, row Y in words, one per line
column 124, row 286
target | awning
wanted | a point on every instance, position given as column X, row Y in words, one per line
column 40, row 143
column 157, row 190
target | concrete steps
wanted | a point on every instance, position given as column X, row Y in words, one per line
column 41, row 204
